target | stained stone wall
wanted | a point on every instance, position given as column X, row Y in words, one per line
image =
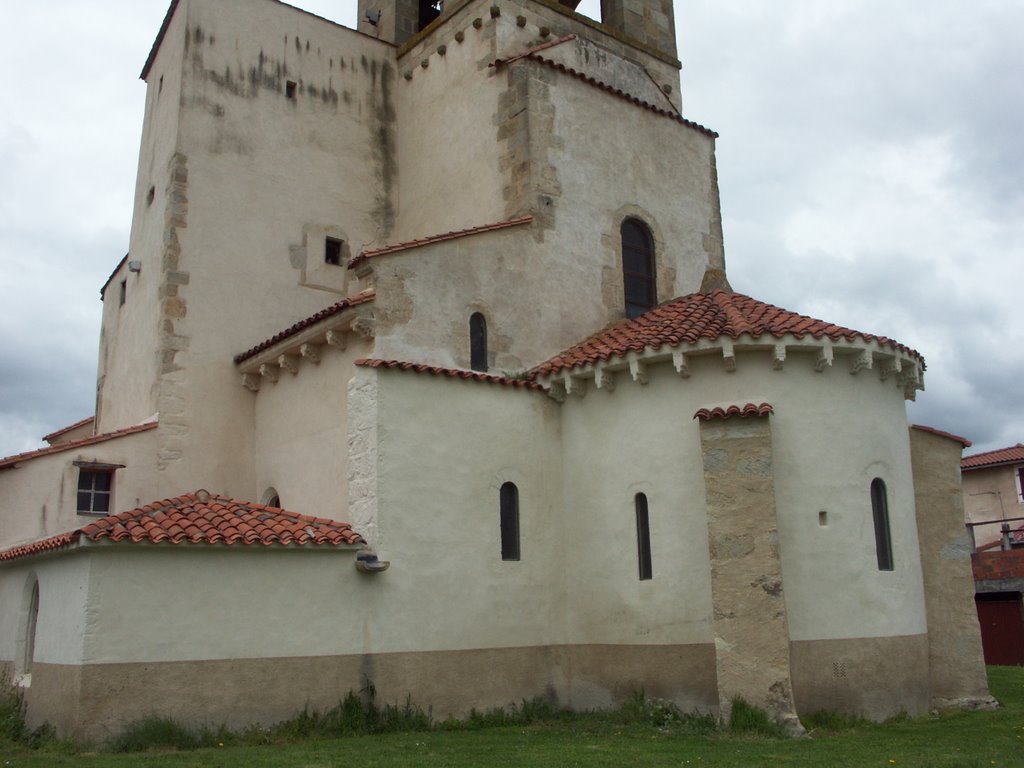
column 750, row 626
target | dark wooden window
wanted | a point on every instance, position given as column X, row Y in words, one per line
column 332, row 251
column 478, row 342
column 94, row 489
column 880, row 513
column 509, row 522
column 643, row 537
column 638, row 272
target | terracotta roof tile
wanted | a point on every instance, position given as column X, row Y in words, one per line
column 669, row 113
column 201, row 518
column 962, row 440
column 743, row 411
column 451, row 373
column 11, row 461
column 453, row 235
column 334, row 309
column 535, row 49
column 68, row 428
column 709, row 316
column 1012, row 455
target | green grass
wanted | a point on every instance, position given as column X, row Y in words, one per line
column 642, row 733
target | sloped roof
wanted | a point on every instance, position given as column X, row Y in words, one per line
column 201, row 518
column 962, row 440
column 10, row 461
column 1012, row 455
column 438, row 238
column 451, row 373
column 708, row 316
column 334, row 309
column 69, row 428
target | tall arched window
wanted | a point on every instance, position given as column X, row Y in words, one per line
column 28, row 641
column 638, row 272
column 478, row 342
column 880, row 514
column 509, row 522
column 643, row 537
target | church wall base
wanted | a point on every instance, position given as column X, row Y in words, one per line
column 873, row 677
column 94, row 701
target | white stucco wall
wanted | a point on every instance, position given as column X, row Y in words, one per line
column 445, row 447
column 40, row 496
column 60, row 624
column 832, row 434
column 301, row 435
column 638, row 439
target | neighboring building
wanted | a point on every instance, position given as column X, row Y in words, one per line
column 994, row 507
column 461, row 283
column 994, row 496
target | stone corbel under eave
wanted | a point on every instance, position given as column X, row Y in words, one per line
column 306, row 346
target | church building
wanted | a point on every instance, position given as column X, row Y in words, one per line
column 423, row 369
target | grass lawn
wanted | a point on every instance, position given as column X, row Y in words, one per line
column 954, row 740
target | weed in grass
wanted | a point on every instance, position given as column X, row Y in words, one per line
column 12, row 719
column 749, row 720
column 832, row 722
column 154, row 732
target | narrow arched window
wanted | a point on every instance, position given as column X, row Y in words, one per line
column 30, row 630
column 509, row 522
column 643, row 537
column 880, row 514
column 478, row 342
column 271, row 498
column 638, row 273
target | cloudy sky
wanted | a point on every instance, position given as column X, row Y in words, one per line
column 871, row 163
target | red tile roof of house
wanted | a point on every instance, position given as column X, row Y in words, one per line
column 962, row 440
column 9, row 462
column 1012, row 455
column 68, row 428
column 743, row 411
column 453, row 235
column 201, row 518
column 451, row 373
column 334, row 309
column 710, row 316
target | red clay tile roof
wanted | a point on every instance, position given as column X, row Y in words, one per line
column 68, row 428
column 688, row 319
column 1012, row 455
column 385, row 249
column 743, row 411
column 451, row 373
column 334, row 309
column 962, row 440
column 669, row 113
column 11, row 461
column 201, row 518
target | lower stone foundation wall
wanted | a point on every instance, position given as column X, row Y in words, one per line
column 874, row 677
column 95, row 701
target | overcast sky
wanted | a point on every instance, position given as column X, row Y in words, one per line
column 871, row 163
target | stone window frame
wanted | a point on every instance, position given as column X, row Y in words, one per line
column 27, row 623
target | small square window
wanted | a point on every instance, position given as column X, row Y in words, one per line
column 332, row 251
column 94, row 489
